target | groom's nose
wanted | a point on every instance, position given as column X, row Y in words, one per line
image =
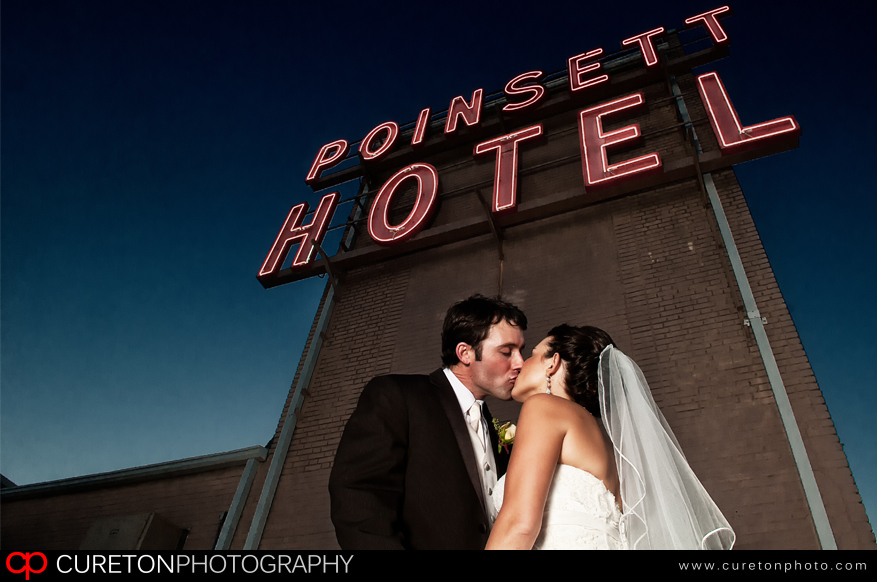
column 517, row 361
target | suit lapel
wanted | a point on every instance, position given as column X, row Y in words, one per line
column 451, row 406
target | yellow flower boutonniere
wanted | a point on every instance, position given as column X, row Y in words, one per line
column 506, row 433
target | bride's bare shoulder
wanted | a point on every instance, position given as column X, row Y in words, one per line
column 548, row 407
column 539, row 403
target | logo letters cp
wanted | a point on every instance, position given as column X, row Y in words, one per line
column 26, row 568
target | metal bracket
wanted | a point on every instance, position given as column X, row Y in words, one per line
column 497, row 236
column 333, row 277
column 751, row 316
column 369, row 179
column 499, row 114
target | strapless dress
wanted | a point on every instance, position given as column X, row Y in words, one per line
column 580, row 513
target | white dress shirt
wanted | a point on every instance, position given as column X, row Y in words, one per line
column 483, row 453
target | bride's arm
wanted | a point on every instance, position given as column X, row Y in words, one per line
column 538, row 441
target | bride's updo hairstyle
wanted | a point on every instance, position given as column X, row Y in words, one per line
column 580, row 348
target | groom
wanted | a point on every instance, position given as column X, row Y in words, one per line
column 418, row 458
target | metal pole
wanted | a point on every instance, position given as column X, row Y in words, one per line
column 754, row 320
column 237, row 505
column 257, row 527
column 254, row 537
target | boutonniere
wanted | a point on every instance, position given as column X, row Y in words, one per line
column 506, row 433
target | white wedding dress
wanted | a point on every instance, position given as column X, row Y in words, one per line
column 665, row 505
column 580, row 513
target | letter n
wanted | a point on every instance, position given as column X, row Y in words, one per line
column 470, row 113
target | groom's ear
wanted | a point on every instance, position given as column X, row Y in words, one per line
column 464, row 353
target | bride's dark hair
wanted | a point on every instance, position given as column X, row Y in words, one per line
column 580, row 348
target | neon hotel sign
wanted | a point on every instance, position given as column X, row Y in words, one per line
column 523, row 92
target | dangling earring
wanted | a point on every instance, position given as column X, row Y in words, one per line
column 548, row 379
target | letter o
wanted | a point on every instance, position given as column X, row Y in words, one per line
column 379, row 227
column 140, row 565
column 393, row 132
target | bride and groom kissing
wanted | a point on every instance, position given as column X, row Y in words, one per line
column 594, row 464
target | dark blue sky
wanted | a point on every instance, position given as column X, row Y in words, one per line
column 151, row 150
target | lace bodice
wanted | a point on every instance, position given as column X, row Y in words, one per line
column 580, row 513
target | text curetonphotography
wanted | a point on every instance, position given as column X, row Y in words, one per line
column 205, row 563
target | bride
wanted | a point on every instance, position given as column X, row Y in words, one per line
column 594, row 464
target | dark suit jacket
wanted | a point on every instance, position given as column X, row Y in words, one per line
column 405, row 476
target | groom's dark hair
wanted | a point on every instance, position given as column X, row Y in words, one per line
column 469, row 321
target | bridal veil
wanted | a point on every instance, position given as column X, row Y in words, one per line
column 664, row 505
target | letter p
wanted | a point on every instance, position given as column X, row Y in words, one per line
column 329, row 155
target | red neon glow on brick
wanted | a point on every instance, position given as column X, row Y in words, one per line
column 392, row 129
column 470, row 112
column 379, row 226
column 505, row 179
column 711, row 21
column 577, row 71
column 732, row 136
column 329, row 155
column 646, row 45
column 293, row 232
column 420, row 129
column 594, row 142
column 512, row 88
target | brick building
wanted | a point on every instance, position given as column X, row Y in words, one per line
column 649, row 260
column 646, row 262
column 187, row 503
